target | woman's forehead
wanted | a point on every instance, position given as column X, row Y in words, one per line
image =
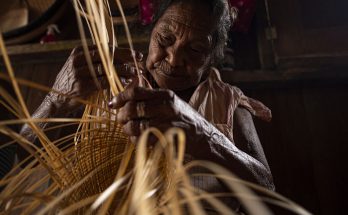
column 197, row 33
column 190, row 14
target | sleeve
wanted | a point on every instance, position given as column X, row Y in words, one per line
column 254, row 106
column 216, row 101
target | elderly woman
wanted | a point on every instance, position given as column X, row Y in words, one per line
column 186, row 42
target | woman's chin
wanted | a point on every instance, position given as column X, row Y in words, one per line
column 172, row 83
column 173, row 86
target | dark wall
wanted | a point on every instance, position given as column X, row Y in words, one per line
column 303, row 79
column 307, row 141
column 7, row 153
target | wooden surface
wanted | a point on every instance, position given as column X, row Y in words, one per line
column 280, row 76
column 307, row 142
column 309, row 27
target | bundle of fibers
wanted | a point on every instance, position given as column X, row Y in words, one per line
column 98, row 170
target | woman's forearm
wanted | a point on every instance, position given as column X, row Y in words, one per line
column 47, row 109
column 216, row 147
column 206, row 142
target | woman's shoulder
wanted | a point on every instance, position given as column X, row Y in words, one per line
column 231, row 95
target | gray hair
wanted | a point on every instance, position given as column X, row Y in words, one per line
column 220, row 10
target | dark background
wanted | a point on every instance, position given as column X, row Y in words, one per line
column 301, row 74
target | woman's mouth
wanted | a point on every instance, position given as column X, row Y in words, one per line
column 163, row 68
column 170, row 74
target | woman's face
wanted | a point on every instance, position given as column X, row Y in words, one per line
column 181, row 46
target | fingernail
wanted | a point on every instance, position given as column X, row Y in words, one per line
column 132, row 70
column 139, row 56
column 126, row 66
column 129, row 80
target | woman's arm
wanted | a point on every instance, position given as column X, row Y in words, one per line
column 47, row 109
column 216, row 147
column 162, row 109
column 75, row 81
column 245, row 135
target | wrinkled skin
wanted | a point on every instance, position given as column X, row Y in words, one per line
column 76, row 81
column 178, row 60
column 179, row 57
column 180, row 46
column 179, row 53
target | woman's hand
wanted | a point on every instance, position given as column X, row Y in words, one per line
column 75, row 80
column 160, row 108
column 141, row 108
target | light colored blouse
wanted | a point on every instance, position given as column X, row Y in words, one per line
column 216, row 101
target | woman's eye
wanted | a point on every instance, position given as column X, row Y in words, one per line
column 165, row 40
column 197, row 49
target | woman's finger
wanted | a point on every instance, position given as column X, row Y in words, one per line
column 123, row 55
column 140, row 94
column 85, row 72
column 152, row 109
column 88, row 86
column 126, row 70
column 136, row 127
column 79, row 57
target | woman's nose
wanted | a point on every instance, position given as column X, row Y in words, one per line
column 175, row 56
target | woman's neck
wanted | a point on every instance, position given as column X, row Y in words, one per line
column 183, row 94
column 186, row 94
